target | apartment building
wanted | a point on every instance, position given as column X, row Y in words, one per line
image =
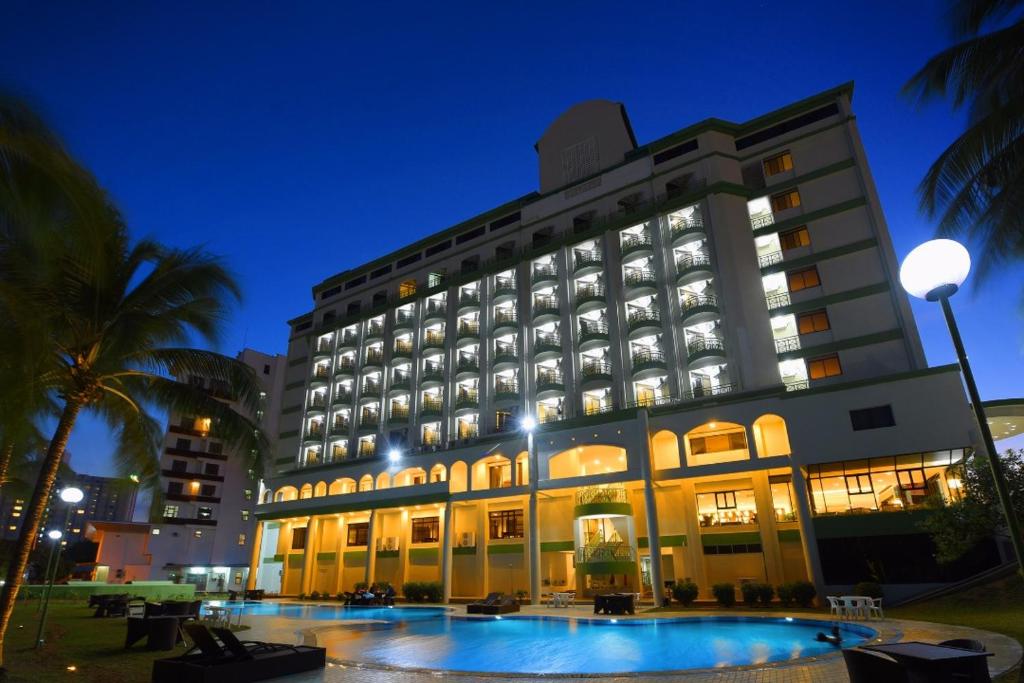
column 203, row 525
column 689, row 359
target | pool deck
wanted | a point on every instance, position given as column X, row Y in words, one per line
column 827, row 669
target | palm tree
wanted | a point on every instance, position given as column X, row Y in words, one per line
column 976, row 186
column 108, row 323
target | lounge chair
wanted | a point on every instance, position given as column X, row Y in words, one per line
column 506, row 604
column 478, row 606
column 965, row 644
column 235, row 661
column 865, row 666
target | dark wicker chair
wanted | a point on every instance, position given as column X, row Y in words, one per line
column 965, row 644
column 865, row 666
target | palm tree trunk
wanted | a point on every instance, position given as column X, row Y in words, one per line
column 33, row 516
column 5, row 466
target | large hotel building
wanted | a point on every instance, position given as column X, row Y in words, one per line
column 709, row 335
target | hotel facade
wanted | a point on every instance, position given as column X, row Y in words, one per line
column 708, row 333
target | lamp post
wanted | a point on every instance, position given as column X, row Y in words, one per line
column 528, row 424
column 70, row 495
column 55, row 536
column 934, row 271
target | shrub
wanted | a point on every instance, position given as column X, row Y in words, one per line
column 341, row 596
column 725, row 594
column 425, row 591
column 785, row 593
column 685, row 593
column 315, row 595
column 301, row 596
column 803, row 592
column 868, row 588
column 765, row 593
column 749, row 592
column 362, row 585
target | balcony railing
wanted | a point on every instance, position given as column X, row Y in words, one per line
column 401, row 381
column 589, row 291
column 505, row 318
column 346, row 365
column 504, row 285
column 646, row 356
column 703, row 344
column 682, row 226
column 435, row 309
column 469, row 298
column 548, row 341
column 593, row 329
column 797, row 385
column 340, row 426
column 404, row 318
column 771, row 259
column 371, row 389
column 403, row 349
column 468, row 363
column 701, row 391
column 320, row 372
column 467, row 398
column 468, row 329
column 314, row 431
column 342, row 397
column 605, row 552
column 692, row 302
column 545, row 304
column 323, row 346
column 399, row 411
column 689, row 261
column 374, row 357
column 505, row 351
column 349, row 338
column 544, row 273
column 762, row 221
column 318, row 401
column 777, row 300
column 367, row 449
column 433, row 340
column 432, row 373
column 787, row 344
column 548, row 377
column 601, row 494
column 374, row 330
column 643, row 316
column 595, row 368
column 586, row 258
column 506, row 387
column 640, row 277
column 369, row 420
column 431, row 406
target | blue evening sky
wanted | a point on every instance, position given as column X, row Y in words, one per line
column 301, row 139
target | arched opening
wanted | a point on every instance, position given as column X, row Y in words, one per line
column 266, row 496
column 458, row 480
column 320, row 489
column 522, row 469
column 342, row 486
column 492, row 472
column 716, row 442
column 438, row 473
column 771, row 436
column 581, row 461
column 366, row 483
column 665, row 449
column 412, row 476
column 383, row 481
column 306, row 491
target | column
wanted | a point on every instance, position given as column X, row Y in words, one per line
column 807, row 535
column 339, row 558
column 371, row 548
column 482, row 567
column 534, row 533
column 694, row 550
column 651, row 513
column 404, row 544
column 769, row 531
column 284, row 542
column 309, row 558
column 254, row 558
column 446, row 551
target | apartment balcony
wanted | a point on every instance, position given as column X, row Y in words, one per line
column 549, row 383
column 345, row 367
column 797, row 385
column 342, row 398
column 586, row 261
column 640, row 281
column 547, row 345
column 435, row 311
column 348, row 341
column 595, row 374
column 688, row 230
column 369, row 423
column 467, row 367
column 374, row 331
column 433, row 341
column 691, row 267
column 700, row 391
column 606, row 558
column 593, row 334
column 506, row 356
column 322, row 349
column 404, row 320
column 341, row 427
column 467, row 333
column 504, row 289
column 505, row 322
column 787, row 344
column 506, row 390
column 400, row 384
column 590, row 296
column 431, row 408
column 643, row 321
column 637, row 245
column 466, row 400
column 399, row 413
column 319, row 376
column 769, row 259
column 433, row 376
column 370, row 392
column 544, row 276
column 648, row 363
column 367, row 449
column 374, row 360
column 313, row 435
column 317, row 405
column 762, row 221
column 779, row 300
column 401, row 352
column 704, row 351
column 545, row 309
column 699, row 307
column 469, row 301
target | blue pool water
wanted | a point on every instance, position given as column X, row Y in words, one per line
column 435, row 638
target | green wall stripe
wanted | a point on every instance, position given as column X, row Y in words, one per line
column 843, row 344
column 811, row 259
column 602, row 509
column 593, row 568
column 386, row 553
column 272, row 558
column 871, row 524
column 272, row 525
column 470, row 550
column 810, row 216
column 556, row 546
column 326, row 557
column 670, row 541
column 291, row 511
column 789, row 535
column 811, row 175
column 296, row 560
column 821, row 302
column 279, row 557
column 354, row 558
column 424, row 554
column 511, row 549
column 734, row 538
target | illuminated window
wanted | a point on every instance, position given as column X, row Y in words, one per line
column 156, row 531
column 425, row 530
column 248, row 494
column 202, row 425
column 241, row 539
column 778, row 164
column 358, row 533
column 299, row 539
column 795, row 238
column 814, row 321
column 785, row 200
column 170, row 510
column 198, row 533
column 826, row 366
column 505, row 524
column 803, row 279
column 245, row 515
column 407, row 288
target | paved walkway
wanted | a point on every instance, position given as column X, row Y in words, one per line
column 827, row 669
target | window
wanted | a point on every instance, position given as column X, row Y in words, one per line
column 198, row 533
column 803, row 279
column 425, row 530
column 174, row 488
column 238, row 577
column 505, row 524
column 183, row 444
column 785, row 200
column 208, row 490
column 241, row 539
column 299, row 538
column 872, row 418
column 408, row 260
column 726, row 507
column 795, row 238
column 778, row 164
column 438, row 248
column 826, row 366
column 204, row 513
column 406, row 289
column 358, row 533
column 266, row 369
column 717, row 443
column 211, row 468
column 248, row 494
column 499, row 475
column 245, row 515
column 215, row 447
column 814, row 321
column 859, row 483
column 156, row 531
column 178, row 466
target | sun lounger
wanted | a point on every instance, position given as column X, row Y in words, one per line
column 503, row 606
column 478, row 606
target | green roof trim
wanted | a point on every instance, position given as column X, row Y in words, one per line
column 733, row 538
column 508, row 549
column 811, row 259
column 330, row 509
column 671, row 541
column 599, row 568
column 844, row 344
column 556, row 546
column 602, row 509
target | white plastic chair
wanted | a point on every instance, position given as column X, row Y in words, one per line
column 875, row 608
column 136, row 608
column 835, row 606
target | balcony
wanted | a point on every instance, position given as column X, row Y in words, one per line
column 349, row 340
column 374, row 360
column 544, row 275
column 601, row 495
column 606, row 558
column 319, row 376
column 506, row 356
column 431, row 408
column 595, row 373
column 469, row 301
column 374, row 330
column 433, row 375
column 640, row 281
column 404, row 320
column 797, row 384
column 686, row 230
column 346, row 367
column 779, row 300
column 369, row 422
column 701, row 391
column 545, row 308
column 342, row 398
column 586, row 261
column 402, row 352
column 766, row 260
column 506, row 389
column 433, row 341
column 637, row 244
column 648, row 362
column 370, row 391
column 467, row 332
column 699, row 307
column 466, row 400
column 435, row 310
column 504, row 289
column 505, row 321
column 590, row 296
column 399, row 413
column 709, row 349
column 643, row 321
column 692, row 266
column 400, row 383
column 547, row 345
column 367, row 449
column 322, row 349
column 317, row 404
column 467, row 366
column 340, row 427
column 787, row 344
column 314, row 434
column 762, row 221
column 549, row 382
column 593, row 334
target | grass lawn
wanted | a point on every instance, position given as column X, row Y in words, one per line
column 95, row 647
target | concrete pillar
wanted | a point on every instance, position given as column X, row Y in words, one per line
column 284, row 541
column 309, row 558
column 651, row 514
column 694, row 551
column 446, row 551
column 339, row 557
column 533, row 535
column 371, row 548
column 807, row 535
column 254, row 557
column 770, row 549
column 404, row 543
column 482, row 567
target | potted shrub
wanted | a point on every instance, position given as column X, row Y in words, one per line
column 803, row 593
column 725, row 594
column 785, row 593
column 315, row 595
column 749, row 591
column 765, row 593
column 685, row 593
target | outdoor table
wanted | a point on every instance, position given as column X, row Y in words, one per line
column 156, row 629
column 615, row 603
column 856, row 604
column 928, row 662
column 560, row 599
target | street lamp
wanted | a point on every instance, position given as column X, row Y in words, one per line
column 528, row 423
column 54, row 535
column 69, row 495
column 934, row 271
column 394, row 455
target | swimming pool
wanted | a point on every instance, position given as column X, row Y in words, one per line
column 436, row 638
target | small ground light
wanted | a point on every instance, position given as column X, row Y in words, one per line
column 72, row 667
column 789, row 618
